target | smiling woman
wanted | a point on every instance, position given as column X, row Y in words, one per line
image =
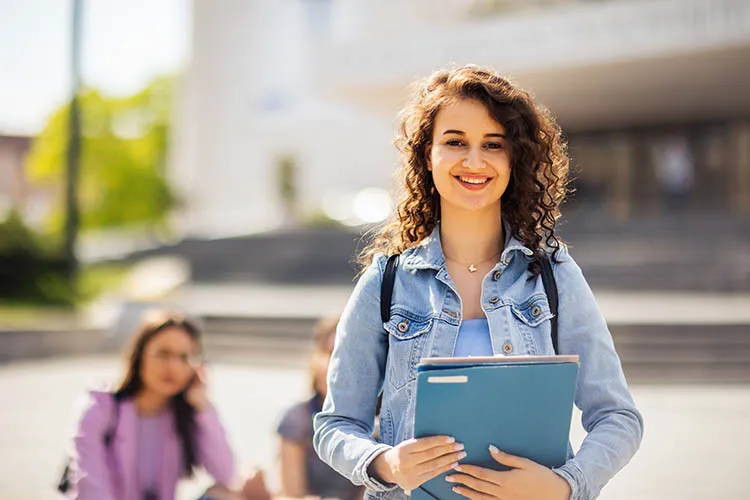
column 485, row 170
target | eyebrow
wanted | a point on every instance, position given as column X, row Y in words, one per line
column 459, row 132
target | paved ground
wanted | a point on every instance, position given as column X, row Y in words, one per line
column 695, row 445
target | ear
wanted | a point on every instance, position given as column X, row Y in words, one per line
column 427, row 156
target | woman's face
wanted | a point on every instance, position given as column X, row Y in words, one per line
column 169, row 362
column 469, row 157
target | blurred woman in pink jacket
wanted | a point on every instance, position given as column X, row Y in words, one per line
column 138, row 442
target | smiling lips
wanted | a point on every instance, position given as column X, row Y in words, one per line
column 474, row 183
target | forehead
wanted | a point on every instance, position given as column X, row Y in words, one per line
column 468, row 116
column 172, row 338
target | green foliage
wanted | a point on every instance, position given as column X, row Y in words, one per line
column 29, row 273
column 123, row 153
column 32, row 273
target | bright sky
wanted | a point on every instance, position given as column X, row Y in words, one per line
column 125, row 44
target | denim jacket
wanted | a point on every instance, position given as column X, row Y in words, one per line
column 370, row 356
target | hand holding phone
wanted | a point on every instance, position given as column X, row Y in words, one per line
column 197, row 393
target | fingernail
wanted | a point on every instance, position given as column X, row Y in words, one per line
column 493, row 449
column 459, row 447
column 456, row 490
column 450, row 479
column 462, row 455
column 459, row 468
column 450, row 440
column 455, row 466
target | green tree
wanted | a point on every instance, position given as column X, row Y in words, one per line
column 122, row 172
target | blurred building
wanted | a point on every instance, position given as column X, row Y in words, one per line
column 16, row 191
column 14, row 188
column 653, row 95
column 13, row 149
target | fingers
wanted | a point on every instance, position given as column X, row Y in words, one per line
column 435, row 472
column 479, row 485
column 473, row 495
column 487, row 475
column 417, row 445
column 437, row 452
column 509, row 460
column 417, row 460
column 442, row 464
column 200, row 374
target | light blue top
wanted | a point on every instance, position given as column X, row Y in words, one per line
column 473, row 338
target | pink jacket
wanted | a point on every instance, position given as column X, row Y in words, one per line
column 111, row 473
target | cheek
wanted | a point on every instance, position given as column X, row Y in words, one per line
column 149, row 373
column 444, row 159
column 441, row 166
column 185, row 374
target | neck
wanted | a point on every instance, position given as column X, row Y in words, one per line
column 149, row 403
column 471, row 237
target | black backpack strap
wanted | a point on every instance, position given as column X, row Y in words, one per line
column 386, row 289
column 550, row 288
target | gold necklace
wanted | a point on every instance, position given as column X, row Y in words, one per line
column 471, row 267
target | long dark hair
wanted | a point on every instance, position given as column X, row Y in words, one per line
column 184, row 413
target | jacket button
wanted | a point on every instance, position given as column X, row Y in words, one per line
column 497, row 275
column 494, row 299
column 535, row 311
column 403, row 327
column 507, row 348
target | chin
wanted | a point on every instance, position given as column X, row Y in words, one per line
column 170, row 391
column 476, row 205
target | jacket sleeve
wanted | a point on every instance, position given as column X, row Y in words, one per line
column 92, row 478
column 343, row 429
column 613, row 424
column 214, row 452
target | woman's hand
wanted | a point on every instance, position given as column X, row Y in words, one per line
column 416, row 461
column 197, row 393
column 526, row 480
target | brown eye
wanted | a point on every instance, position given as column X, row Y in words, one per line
column 162, row 355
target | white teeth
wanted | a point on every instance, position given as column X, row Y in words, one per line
column 470, row 180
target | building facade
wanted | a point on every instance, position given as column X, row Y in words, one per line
column 652, row 95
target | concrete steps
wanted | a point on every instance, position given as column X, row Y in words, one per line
column 688, row 252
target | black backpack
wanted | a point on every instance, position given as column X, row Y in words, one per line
column 548, row 279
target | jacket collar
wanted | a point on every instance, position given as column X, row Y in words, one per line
column 429, row 253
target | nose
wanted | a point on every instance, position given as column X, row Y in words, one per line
column 474, row 159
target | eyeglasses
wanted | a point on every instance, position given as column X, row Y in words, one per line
column 189, row 359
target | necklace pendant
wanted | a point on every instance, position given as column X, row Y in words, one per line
column 472, row 268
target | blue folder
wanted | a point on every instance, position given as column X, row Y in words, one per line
column 521, row 404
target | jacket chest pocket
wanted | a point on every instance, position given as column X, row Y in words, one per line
column 532, row 318
column 407, row 333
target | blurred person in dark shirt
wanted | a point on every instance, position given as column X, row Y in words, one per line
column 302, row 472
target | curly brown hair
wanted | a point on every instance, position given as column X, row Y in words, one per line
column 538, row 155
